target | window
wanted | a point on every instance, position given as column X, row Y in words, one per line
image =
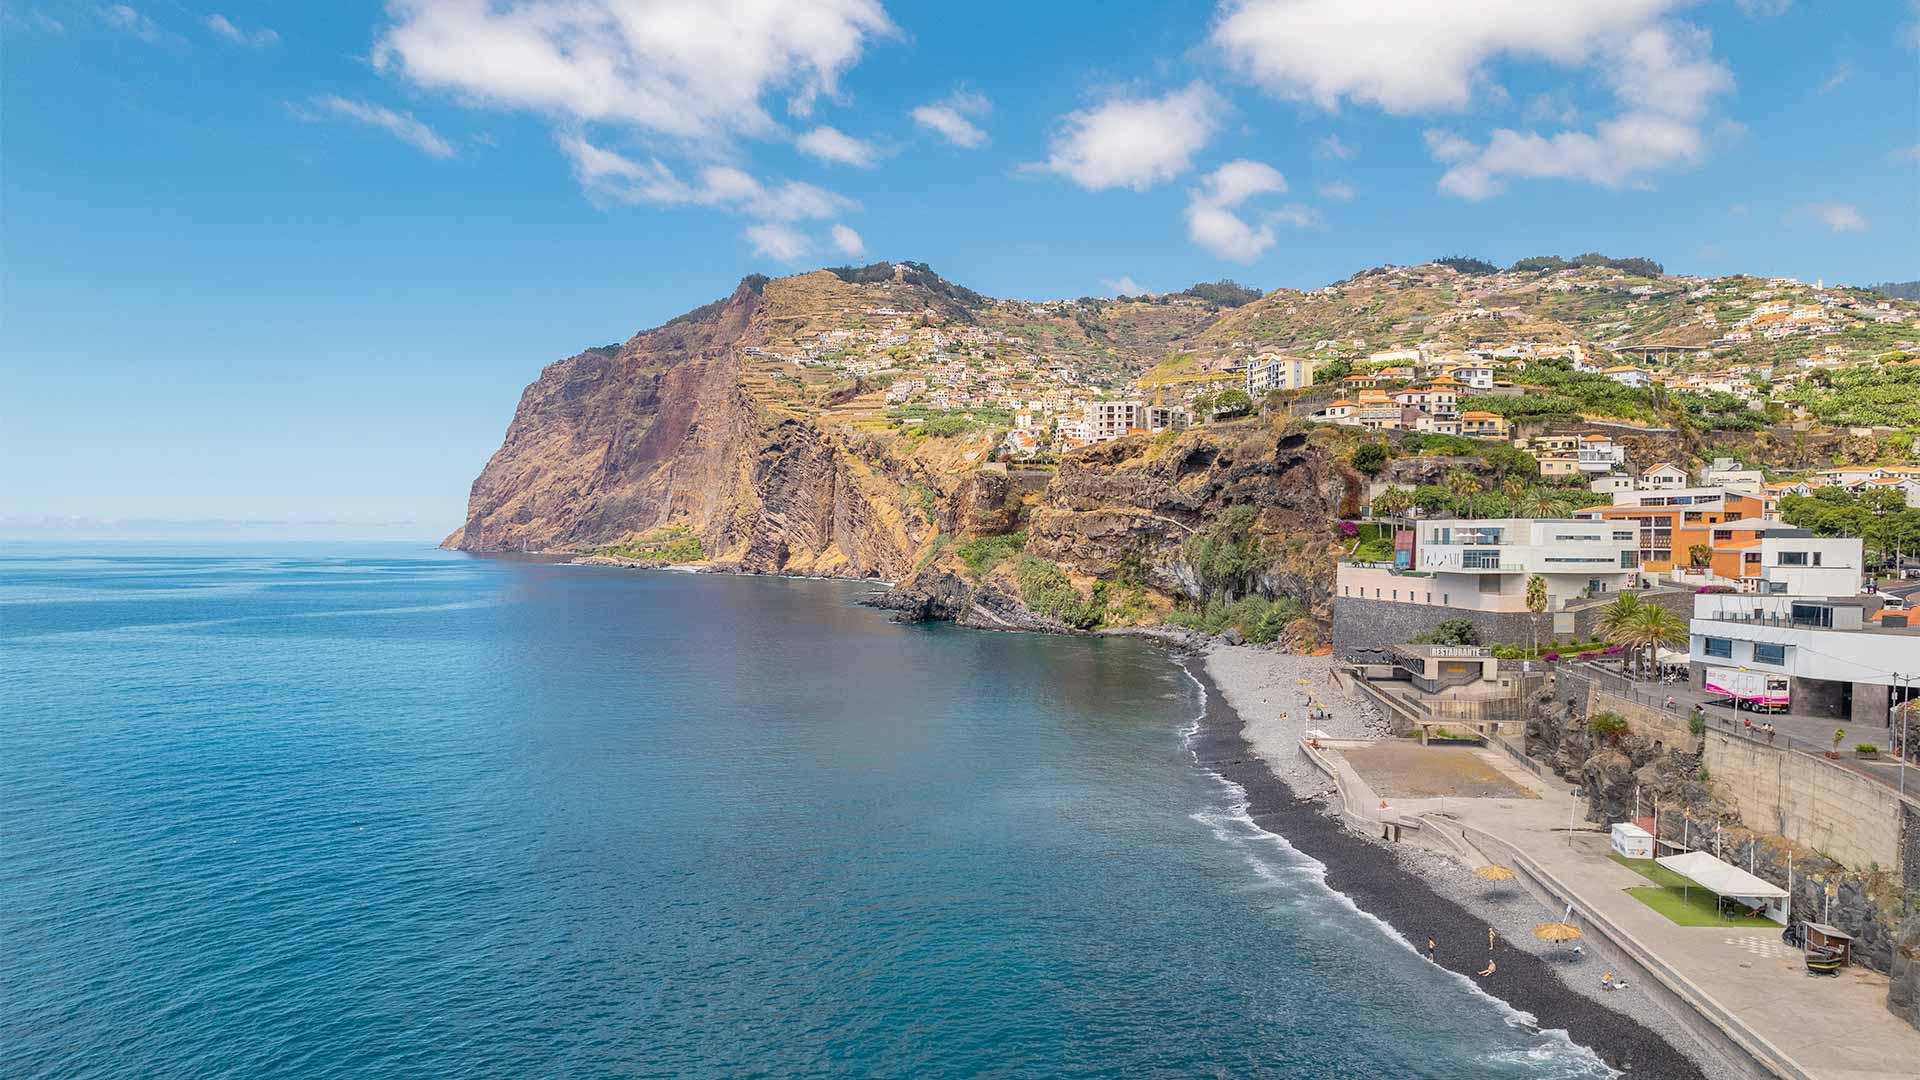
column 1717, row 646
column 1429, row 598
column 1480, row 560
column 1811, row 615
column 1816, row 558
column 1629, row 560
column 1764, row 653
column 1793, row 558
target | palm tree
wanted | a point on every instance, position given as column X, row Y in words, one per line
column 1392, row 503
column 1535, row 503
column 1536, row 603
column 1463, row 487
column 1615, row 617
column 1650, row 628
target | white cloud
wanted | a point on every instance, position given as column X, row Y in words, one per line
column 847, row 241
column 1665, row 80
column 611, row 175
column 402, row 126
column 126, row 19
column 955, row 118
column 1124, row 285
column 831, row 144
column 1295, row 214
column 1839, row 77
column 1213, row 210
column 1838, row 217
column 781, row 242
column 1332, row 147
column 224, row 27
column 690, row 69
column 1135, row 142
column 1337, row 191
column 1408, row 58
column 1438, row 57
column 1759, row 9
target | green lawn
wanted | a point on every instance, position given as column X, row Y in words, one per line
column 1669, row 896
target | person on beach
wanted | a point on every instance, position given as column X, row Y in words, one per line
column 1430, row 948
column 1490, row 969
column 1489, row 941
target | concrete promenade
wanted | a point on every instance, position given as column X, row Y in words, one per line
column 1745, row 983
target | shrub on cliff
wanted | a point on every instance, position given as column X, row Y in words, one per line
column 1045, row 590
column 1227, row 558
column 982, row 554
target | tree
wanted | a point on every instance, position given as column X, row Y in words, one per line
column 1392, row 503
column 1615, row 616
column 1232, row 403
column 1371, row 457
column 1462, row 486
column 1536, row 603
column 1648, row 630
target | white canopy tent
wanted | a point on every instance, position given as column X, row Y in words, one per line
column 1721, row 878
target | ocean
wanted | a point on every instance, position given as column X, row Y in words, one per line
column 382, row 811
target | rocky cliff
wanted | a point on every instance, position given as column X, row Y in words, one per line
column 671, row 430
column 704, row 431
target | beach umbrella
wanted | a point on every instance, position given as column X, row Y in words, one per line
column 1556, row 931
column 1494, row 872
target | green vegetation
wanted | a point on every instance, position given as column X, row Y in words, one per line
column 1045, row 590
column 664, row 546
column 1468, row 266
column 1450, row 632
column 1259, row 620
column 1679, row 900
column 1227, row 558
column 1609, row 726
column 1541, row 263
column 1881, row 519
column 1370, row 458
column 1228, row 294
column 1566, row 393
column 1373, row 541
column 1332, row 371
column 984, row 553
column 1863, row 396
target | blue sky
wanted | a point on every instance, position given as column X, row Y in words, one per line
column 291, row 263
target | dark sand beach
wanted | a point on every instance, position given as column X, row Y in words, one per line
column 1376, row 881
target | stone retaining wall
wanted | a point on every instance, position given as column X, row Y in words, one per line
column 1813, row 802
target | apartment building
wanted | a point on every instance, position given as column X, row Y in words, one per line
column 1104, row 420
column 1271, row 371
column 1670, row 523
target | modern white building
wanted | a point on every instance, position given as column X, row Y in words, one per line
column 1846, row 658
column 1271, row 371
column 1495, row 557
column 1808, row 565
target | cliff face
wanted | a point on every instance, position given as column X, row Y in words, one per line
column 665, row 430
column 707, row 429
column 1121, row 514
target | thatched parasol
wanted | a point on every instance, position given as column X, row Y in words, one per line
column 1495, row 872
column 1556, row 931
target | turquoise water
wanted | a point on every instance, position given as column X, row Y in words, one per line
column 384, row 812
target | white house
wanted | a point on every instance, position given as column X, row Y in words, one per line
column 1664, row 476
column 1627, row 375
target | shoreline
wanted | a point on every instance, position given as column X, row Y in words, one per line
column 1376, row 880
